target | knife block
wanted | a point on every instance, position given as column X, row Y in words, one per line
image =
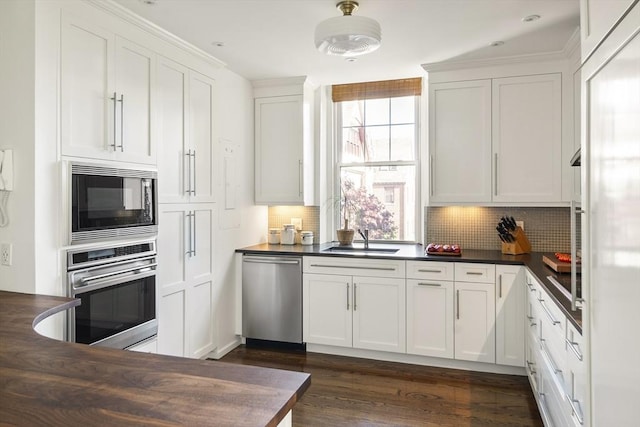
column 520, row 246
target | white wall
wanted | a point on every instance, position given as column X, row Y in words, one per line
column 17, row 115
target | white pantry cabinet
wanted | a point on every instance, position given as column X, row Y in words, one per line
column 350, row 305
column 284, row 148
column 597, row 18
column 186, row 158
column 430, row 308
column 185, row 280
column 510, row 315
column 107, row 94
column 474, row 327
column 495, row 141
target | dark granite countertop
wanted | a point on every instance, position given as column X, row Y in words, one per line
column 415, row 252
column 54, row 383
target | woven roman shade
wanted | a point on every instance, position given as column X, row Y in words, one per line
column 379, row 89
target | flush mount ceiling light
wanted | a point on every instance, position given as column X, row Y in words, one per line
column 348, row 35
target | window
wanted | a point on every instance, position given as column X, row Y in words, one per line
column 377, row 157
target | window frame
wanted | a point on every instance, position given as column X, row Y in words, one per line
column 416, row 163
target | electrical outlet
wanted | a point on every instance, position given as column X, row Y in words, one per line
column 5, row 254
column 520, row 224
column 297, row 222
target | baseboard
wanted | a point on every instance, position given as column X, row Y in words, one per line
column 220, row 352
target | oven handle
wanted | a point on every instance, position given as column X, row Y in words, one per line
column 115, row 273
column 114, row 280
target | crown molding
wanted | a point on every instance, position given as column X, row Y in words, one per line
column 573, row 43
column 148, row 26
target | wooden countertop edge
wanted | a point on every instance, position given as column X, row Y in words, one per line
column 41, row 379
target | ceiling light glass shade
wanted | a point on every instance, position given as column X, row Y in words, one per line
column 348, row 35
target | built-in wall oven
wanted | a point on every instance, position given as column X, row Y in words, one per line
column 108, row 203
column 117, row 289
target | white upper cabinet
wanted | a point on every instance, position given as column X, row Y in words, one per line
column 106, row 94
column 460, row 134
column 527, row 138
column 185, row 110
column 597, row 17
column 284, row 161
column 496, row 141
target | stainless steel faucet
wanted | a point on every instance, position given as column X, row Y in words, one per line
column 365, row 236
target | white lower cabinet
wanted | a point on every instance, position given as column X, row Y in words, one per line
column 474, row 326
column 510, row 315
column 185, row 280
column 362, row 311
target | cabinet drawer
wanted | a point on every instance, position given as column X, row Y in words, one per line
column 575, row 346
column 430, row 270
column 478, row 273
column 354, row 266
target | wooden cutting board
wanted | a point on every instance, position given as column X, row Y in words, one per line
column 558, row 266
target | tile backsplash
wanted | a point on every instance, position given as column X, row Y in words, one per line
column 473, row 227
column 279, row 215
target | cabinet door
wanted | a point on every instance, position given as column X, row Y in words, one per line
column 135, row 80
column 326, row 302
column 430, row 318
column 460, row 142
column 510, row 315
column 379, row 315
column 597, row 17
column 527, row 138
column 200, row 225
column 172, row 114
column 475, row 322
column 172, row 323
column 279, row 150
column 87, row 86
column 200, row 320
column 201, row 137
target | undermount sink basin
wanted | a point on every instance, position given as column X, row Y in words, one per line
column 360, row 250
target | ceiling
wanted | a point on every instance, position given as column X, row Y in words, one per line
column 274, row 38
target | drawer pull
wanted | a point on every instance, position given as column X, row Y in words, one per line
column 429, row 284
column 543, row 347
column 474, row 273
column 429, row 271
column 575, row 408
column 531, row 321
column 546, row 310
column 530, row 366
column 574, row 346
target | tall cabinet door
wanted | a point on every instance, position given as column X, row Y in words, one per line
column 173, row 80
column 475, row 337
column 510, row 315
column 327, row 302
column 379, row 311
column 135, row 80
column 430, row 318
column 527, row 138
column 201, row 137
column 460, row 142
column 87, row 112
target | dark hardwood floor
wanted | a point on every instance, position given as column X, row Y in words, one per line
column 358, row 392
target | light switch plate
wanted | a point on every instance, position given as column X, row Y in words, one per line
column 5, row 254
column 297, row 223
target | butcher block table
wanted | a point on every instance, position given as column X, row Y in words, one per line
column 55, row 383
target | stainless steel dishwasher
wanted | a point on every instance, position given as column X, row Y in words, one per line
column 272, row 298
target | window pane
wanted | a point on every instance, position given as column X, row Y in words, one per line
column 378, row 143
column 353, row 147
column 403, row 142
column 381, row 200
column 376, row 112
column 352, row 113
column 403, row 109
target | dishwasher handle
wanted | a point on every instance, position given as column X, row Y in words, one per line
column 272, row 261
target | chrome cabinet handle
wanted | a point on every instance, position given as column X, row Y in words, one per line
column 458, row 304
column 554, row 367
column 500, row 286
column 355, row 295
column 575, row 408
column 574, row 346
column 429, row 271
column 354, row 267
column 531, row 321
column 431, row 175
column 530, row 365
column 473, row 273
column 575, row 210
column 300, row 178
column 429, row 284
column 115, row 127
column 193, row 156
column 188, row 156
column 347, row 296
column 546, row 310
column 188, row 218
column 195, row 227
column 121, row 101
column 531, row 288
column 495, row 170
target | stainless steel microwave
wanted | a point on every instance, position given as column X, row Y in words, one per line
column 108, row 203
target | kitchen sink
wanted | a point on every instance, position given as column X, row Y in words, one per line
column 360, row 250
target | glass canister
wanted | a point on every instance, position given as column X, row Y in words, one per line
column 274, row 236
column 288, row 235
column 306, row 238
